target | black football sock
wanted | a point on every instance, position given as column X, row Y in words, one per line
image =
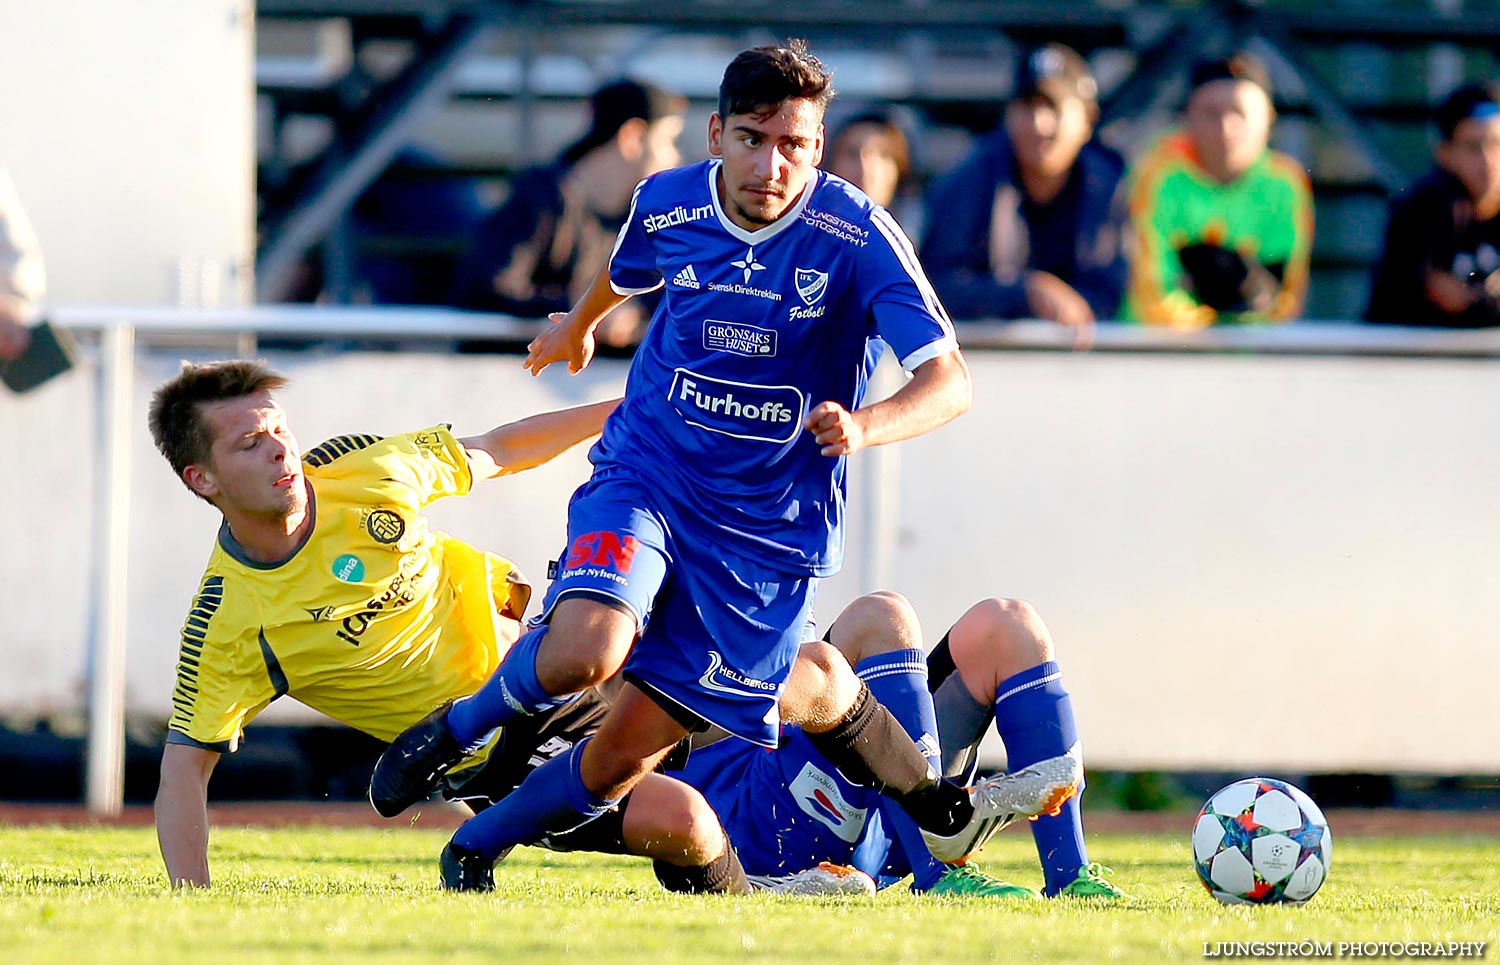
column 870, row 747
column 722, row 876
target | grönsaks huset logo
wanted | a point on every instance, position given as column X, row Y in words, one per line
column 738, row 339
column 762, row 413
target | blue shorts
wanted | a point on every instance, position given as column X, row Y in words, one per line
column 718, row 633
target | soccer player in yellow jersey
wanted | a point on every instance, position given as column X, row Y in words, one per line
column 326, row 582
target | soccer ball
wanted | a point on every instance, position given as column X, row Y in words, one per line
column 1260, row 841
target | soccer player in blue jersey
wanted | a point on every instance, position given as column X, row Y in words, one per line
column 717, row 495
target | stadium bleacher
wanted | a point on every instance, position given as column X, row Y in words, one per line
column 488, row 87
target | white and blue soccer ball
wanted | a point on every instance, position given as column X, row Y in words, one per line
column 1261, row 841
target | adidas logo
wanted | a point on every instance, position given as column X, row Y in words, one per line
column 687, row 278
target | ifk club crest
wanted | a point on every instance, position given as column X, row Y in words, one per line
column 811, row 285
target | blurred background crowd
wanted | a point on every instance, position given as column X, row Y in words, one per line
column 1166, row 164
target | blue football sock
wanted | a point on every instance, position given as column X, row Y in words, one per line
column 552, row 800
column 512, row 692
column 898, row 680
column 1034, row 716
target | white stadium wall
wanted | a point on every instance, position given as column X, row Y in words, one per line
column 1246, row 561
column 129, row 132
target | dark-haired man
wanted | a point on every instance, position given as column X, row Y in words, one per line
column 538, row 252
column 1222, row 224
column 325, row 582
column 1441, row 261
column 1032, row 223
column 718, row 488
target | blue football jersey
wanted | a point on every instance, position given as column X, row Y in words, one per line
column 753, row 331
column 788, row 809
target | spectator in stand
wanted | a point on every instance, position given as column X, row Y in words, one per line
column 1222, row 224
column 1032, row 223
column 1441, row 262
column 538, row 252
column 22, row 278
column 870, row 151
column 413, row 224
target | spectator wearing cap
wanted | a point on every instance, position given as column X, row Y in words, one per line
column 1441, row 262
column 1222, row 224
column 1031, row 223
column 537, row 253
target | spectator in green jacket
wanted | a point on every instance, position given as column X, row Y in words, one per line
column 1222, row 224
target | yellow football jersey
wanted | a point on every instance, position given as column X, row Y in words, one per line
column 374, row 620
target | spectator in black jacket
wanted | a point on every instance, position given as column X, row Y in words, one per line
column 1032, row 223
column 538, row 252
column 1441, row 263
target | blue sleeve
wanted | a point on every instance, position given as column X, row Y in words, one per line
column 632, row 263
column 873, row 851
column 1102, row 268
column 908, row 316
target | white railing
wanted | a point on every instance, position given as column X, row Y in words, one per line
column 880, row 557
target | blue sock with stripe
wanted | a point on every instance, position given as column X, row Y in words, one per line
column 513, row 691
column 1034, row 716
column 551, row 800
column 898, row 680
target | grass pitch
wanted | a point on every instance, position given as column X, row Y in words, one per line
column 308, row 894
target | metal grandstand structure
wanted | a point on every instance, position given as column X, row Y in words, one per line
column 345, row 85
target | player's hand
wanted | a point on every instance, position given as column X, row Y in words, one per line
column 566, row 340
column 1449, row 292
column 835, row 429
column 14, row 337
column 1052, row 298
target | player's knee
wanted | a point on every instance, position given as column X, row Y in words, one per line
column 690, row 834
column 587, row 642
column 671, row 822
column 876, row 623
column 1006, row 635
column 822, row 686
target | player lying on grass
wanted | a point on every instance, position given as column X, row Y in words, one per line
column 797, row 819
column 792, row 808
column 327, row 584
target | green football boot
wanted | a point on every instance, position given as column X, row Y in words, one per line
column 1091, row 883
column 968, row 881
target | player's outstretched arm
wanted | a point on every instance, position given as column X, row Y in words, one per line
column 570, row 337
column 182, row 813
column 939, row 392
column 534, row 440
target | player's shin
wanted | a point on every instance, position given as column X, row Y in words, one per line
column 1034, row 716
column 898, row 680
column 552, row 800
column 513, row 691
column 869, row 745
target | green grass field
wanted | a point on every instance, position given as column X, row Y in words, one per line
column 309, row 894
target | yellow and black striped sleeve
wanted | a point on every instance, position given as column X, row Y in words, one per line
column 337, row 447
column 213, row 700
